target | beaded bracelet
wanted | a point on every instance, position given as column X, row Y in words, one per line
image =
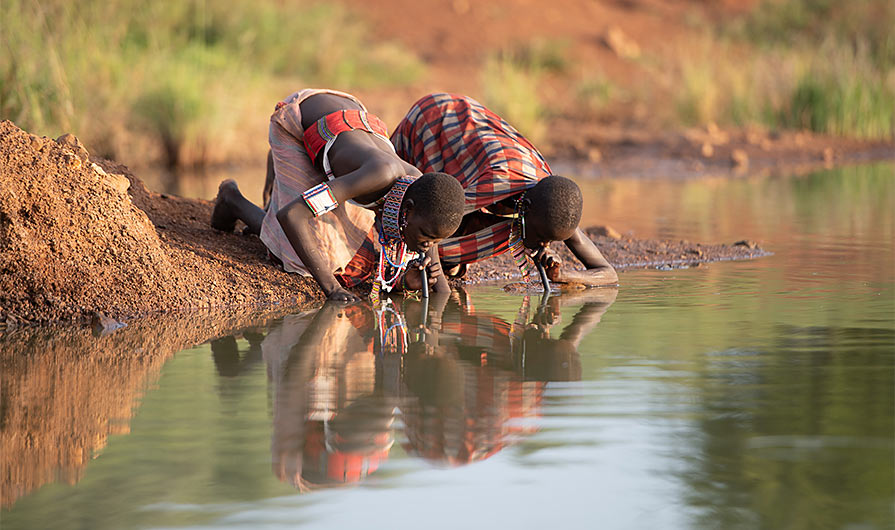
column 320, row 199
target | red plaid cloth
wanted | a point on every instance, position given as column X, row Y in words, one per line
column 362, row 265
column 481, row 331
column 331, row 125
column 491, row 159
column 486, row 243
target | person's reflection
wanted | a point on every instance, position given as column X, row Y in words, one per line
column 473, row 382
column 467, row 383
column 332, row 423
column 538, row 356
column 225, row 353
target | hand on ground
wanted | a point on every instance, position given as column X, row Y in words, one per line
column 341, row 295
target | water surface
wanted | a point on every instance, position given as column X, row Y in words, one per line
column 752, row 394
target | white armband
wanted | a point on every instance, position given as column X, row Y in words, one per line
column 320, row 199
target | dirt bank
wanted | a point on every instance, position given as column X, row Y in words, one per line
column 604, row 151
column 81, row 235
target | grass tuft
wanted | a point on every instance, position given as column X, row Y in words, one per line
column 594, row 93
column 830, row 87
column 845, row 106
column 511, row 89
column 173, row 73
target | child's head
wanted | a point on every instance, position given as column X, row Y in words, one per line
column 433, row 208
column 552, row 211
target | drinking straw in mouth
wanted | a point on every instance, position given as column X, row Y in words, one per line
column 541, row 271
column 424, row 276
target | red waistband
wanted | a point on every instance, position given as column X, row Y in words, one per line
column 329, row 126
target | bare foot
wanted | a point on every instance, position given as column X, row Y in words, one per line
column 222, row 217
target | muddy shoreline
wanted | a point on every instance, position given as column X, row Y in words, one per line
column 82, row 236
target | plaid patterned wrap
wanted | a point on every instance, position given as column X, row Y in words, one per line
column 480, row 331
column 491, row 159
column 363, row 265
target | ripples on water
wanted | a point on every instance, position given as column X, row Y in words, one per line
column 738, row 395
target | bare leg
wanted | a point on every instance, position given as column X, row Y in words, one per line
column 268, row 181
column 230, row 206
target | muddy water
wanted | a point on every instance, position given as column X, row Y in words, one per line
column 740, row 395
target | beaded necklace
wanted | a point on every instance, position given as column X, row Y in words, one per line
column 515, row 242
column 393, row 253
column 392, row 330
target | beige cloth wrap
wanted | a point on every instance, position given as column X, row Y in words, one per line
column 339, row 233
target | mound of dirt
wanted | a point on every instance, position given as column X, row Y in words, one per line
column 81, row 235
column 70, row 237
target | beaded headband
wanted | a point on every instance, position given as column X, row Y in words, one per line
column 391, row 208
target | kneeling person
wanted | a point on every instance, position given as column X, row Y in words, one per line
column 513, row 201
column 332, row 162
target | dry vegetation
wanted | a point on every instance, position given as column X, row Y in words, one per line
column 195, row 85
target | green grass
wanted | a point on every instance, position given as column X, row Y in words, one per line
column 794, row 23
column 541, row 55
column 511, row 88
column 123, row 75
column 843, row 93
column 803, row 64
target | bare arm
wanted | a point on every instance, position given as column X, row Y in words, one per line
column 597, row 302
column 597, row 271
column 295, row 218
column 441, row 283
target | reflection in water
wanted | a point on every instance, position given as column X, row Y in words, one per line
column 464, row 383
column 338, row 377
column 228, row 361
column 474, row 385
column 797, row 428
column 63, row 395
column 755, row 394
column 332, row 421
column 63, row 391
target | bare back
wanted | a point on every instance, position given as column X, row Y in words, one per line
column 351, row 149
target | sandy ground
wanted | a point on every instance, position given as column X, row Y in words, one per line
column 80, row 236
